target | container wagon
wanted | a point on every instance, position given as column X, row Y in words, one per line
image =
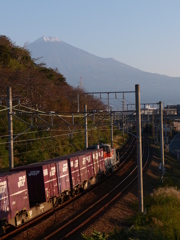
column 14, row 199
column 30, row 190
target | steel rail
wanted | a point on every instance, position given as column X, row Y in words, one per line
column 96, row 204
column 127, row 151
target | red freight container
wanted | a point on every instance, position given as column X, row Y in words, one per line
column 89, row 162
column 13, row 194
column 50, row 180
column 95, row 161
column 78, row 168
column 90, row 165
column 4, row 199
column 101, row 160
column 73, row 164
column 42, row 181
column 83, row 168
column 75, row 174
column 63, row 176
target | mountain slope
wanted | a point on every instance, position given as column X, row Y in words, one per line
column 35, row 85
column 103, row 74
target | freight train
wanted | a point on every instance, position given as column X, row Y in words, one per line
column 30, row 190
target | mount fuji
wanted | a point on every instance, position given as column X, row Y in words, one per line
column 94, row 73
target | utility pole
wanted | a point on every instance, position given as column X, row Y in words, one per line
column 85, row 124
column 139, row 149
column 123, row 116
column 111, row 130
column 107, row 102
column 10, row 128
column 72, row 118
column 78, row 102
column 153, row 127
column 161, row 137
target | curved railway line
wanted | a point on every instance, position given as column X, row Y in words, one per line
column 75, row 213
column 100, row 205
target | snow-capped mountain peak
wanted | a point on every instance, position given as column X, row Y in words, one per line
column 48, row 39
column 102, row 74
column 51, row 39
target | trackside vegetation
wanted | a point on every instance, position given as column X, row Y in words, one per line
column 161, row 218
column 37, row 90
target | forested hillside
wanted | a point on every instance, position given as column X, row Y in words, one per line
column 37, row 89
column 36, row 85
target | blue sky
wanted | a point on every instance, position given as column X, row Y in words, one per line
column 141, row 33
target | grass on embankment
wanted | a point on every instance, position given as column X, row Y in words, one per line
column 161, row 220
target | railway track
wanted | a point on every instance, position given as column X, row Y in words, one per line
column 94, row 195
column 84, row 217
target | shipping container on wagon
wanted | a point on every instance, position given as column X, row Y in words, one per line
column 77, row 164
column 42, row 181
column 101, row 160
column 63, row 176
column 92, row 161
column 73, row 167
column 75, row 171
column 78, row 167
column 89, row 162
column 95, row 158
column 83, row 168
column 13, row 194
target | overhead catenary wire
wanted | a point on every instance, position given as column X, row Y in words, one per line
column 54, row 147
column 101, row 118
column 97, row 124
column 35, row 150
column 46, row 137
